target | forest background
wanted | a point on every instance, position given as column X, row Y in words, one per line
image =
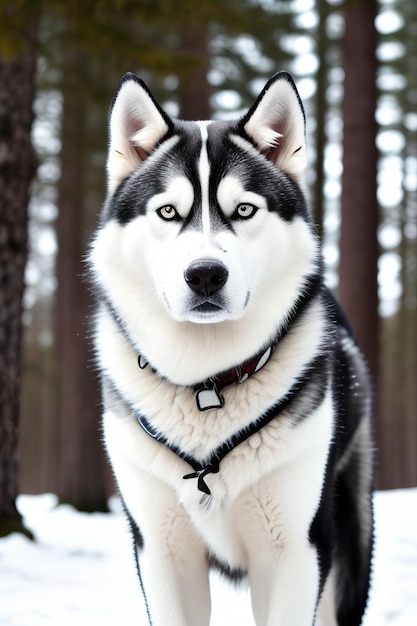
column 355, row 64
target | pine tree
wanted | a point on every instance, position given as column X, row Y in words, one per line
column 17, row 167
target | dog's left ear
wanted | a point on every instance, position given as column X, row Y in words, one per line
column 276, row 123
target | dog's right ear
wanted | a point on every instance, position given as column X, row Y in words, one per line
column 137, row 123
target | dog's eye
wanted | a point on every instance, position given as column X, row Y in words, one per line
column 167, row 212
column 245, row 211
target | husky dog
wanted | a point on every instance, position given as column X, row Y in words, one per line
column 237, row 412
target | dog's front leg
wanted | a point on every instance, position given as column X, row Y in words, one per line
column 285, row 586
column 283, row 564
column 171, row 557
column 174, row 573
column 172, row 560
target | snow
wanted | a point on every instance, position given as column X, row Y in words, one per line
column 80, row 569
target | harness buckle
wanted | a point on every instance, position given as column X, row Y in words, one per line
column 212, row 468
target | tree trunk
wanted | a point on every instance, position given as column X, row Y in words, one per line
column 82, row 474
column 194, row 89
column 17, row 166
column 321, row 111
column 359, row 245
column 359, row 249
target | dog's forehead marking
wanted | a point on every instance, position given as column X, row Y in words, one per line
column 204, row 175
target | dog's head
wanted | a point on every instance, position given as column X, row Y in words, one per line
column 205, row 222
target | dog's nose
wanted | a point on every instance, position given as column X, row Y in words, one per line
column 206, row 276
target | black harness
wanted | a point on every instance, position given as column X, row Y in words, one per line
column 212, row 464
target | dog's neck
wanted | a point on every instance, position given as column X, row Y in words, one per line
column 207, row 393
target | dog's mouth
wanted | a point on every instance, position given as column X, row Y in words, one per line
column 200, row 310
column 212, row 310
column 207, row 312
column 207, row 308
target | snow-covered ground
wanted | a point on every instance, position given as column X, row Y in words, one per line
column 80, row 569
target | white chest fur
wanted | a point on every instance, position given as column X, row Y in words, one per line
column 270, row 467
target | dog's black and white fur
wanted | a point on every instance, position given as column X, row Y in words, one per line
column 236, row 403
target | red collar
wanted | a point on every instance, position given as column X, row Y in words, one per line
column 207, row 393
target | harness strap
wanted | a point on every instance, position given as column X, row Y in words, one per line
column 212, row 464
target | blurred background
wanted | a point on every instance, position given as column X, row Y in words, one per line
column 355, row 65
